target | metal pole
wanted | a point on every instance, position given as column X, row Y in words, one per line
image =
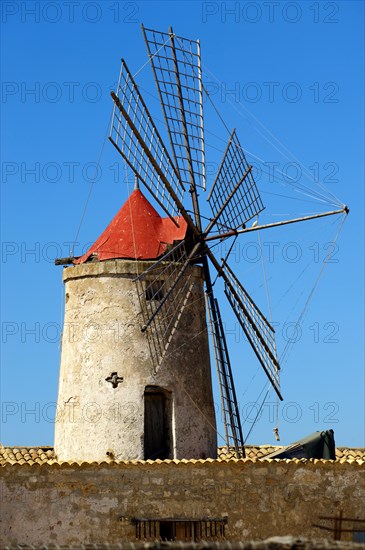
column 344, row 210
column 215, row 327
column 185, row 134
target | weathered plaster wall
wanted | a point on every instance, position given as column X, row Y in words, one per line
column 102, row 335
column 91, row 503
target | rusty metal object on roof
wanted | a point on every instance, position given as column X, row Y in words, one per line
column 316, row 445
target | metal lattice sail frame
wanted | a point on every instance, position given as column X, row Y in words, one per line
column 137, row 139
column 163, row 291
column 234, row 197
column 165, row 287
column 176, row 67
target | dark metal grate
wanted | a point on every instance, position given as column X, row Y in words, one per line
column 230, row 409
column 180, row 529
column 137, row 139
column 164, row 290
column 258, row 330
column 234, row 194
column 147, row 530
column 177, row 70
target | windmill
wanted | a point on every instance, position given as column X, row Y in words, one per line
column 177, row 181
column 234, row 200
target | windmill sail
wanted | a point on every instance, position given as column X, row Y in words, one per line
column 234, row 197
column 258, row 330
column 163, row 291
column 230, row 409
column 177, row 70
column 137, row 139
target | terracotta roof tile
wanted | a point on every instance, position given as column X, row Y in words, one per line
column 26, row 455
column 260, row 451
column 46, row 455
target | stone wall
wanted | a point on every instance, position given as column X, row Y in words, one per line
column 94, row 503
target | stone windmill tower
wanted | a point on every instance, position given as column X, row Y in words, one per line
column 113, row 400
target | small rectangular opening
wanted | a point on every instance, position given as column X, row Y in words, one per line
column 154, row 290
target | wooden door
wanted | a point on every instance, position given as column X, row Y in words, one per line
column 156, row 425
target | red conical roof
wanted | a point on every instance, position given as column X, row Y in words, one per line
column 137, row 232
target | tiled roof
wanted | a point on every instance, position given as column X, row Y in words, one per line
column 260, row 451
column 137, row 231
column 349, row 454
column 27, row 455
column 46, row 455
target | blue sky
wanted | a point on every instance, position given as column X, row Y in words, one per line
column 289, row 77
